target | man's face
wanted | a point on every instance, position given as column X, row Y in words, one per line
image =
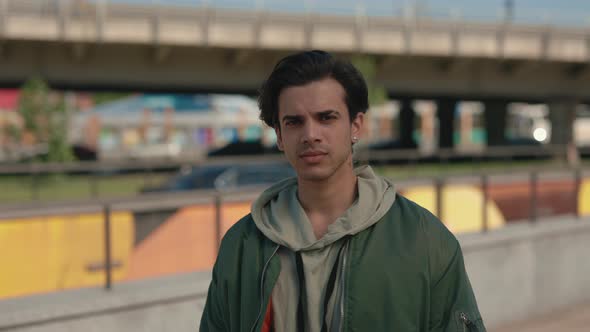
column 315, row 130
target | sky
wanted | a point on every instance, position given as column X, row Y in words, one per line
column 553, row 12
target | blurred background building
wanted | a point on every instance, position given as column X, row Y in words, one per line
column 524, row 64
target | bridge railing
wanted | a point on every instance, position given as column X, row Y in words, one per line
column 258, row 10
column 439, row 10
column 152, row 21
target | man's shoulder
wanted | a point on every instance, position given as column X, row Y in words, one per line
column 413, row 214
column 242, row 229
column 239, row 237
column 408, row 211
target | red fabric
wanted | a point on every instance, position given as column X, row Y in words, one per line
column 268, row 321
column 8, row 99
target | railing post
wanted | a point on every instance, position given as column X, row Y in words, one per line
column 147, row 174
column 217, row 202
column 34, row 183
column 533, row 193
column 93, row 182
column 258, row 23
column 107, row 246
column 205, row 21
column 155, row 25
column 101, row 13
column 62, row 16
column 360, row 25
column 308, row 28
column 93, row 185
column 577, row 184
column 3, row 16
column 439, row 198
column 484, row 203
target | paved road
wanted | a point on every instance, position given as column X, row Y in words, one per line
column 573, row 320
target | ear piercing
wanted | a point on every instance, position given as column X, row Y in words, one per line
column 354, row 139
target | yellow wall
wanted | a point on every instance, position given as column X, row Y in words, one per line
column 51, row 253
column 584, row 198
column 461, row 205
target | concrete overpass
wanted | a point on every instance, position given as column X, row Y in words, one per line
column 104, row 45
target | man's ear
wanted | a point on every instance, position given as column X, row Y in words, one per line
column 279, row 138
column 357, row 125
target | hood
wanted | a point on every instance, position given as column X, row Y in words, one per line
column 279, row 216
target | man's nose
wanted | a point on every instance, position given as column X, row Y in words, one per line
column 311, row 132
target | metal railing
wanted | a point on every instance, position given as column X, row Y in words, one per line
column 557, row 151
column 203, row 12
column 105, row 8
column 158, row 202
column 143, row 203
column 97, row 172
column 414, row 10
column 364, row 154
column 484, row 180
column 30, row 176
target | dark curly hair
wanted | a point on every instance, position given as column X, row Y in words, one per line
column 305, row 67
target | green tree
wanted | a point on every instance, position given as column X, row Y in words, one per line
column 13, row 132
column 59, row 149
column 367, row 65
column 45, row 119
column 32, row 106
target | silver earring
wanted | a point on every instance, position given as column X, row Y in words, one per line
column 354, row 139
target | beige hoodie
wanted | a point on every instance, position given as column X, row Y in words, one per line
column 279, row 216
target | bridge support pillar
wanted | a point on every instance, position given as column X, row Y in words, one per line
column 562, row 114
column 495, row 115
column 446, row 122
column 407, row 117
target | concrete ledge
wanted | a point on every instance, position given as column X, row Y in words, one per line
column 527, row 270
column 524, row 230
column 75, row 307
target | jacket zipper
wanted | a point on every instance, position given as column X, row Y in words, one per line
column 343, row 281
column 262, row 288
column 468, row 325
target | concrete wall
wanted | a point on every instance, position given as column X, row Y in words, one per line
column 164, row 304
column 529, row 270
column 518, row 272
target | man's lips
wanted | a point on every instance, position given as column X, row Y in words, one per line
column 312, row 156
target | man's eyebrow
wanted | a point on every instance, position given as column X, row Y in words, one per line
column 299, row 117
column 328, row 112
column 291, row 117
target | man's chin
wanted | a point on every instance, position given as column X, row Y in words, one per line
column 313, row 174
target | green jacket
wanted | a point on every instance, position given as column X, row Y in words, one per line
column 405, row 273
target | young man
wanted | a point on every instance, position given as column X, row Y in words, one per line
column 334, row 249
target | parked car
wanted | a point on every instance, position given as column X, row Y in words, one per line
column 241, row 148
column 225, row 177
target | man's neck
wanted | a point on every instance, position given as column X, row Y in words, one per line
column 327, row 200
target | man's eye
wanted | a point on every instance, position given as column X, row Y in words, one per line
column 327, row 117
